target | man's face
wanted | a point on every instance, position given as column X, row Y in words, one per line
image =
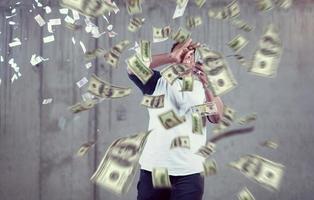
column 189, row 58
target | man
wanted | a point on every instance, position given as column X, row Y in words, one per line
column 184, row 166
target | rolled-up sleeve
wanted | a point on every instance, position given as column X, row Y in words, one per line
column 150, row 85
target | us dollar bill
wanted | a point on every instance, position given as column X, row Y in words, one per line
column 161, row 34
column 264, row 5
column 220, row 77
column 245, row 194
column 118, row 166
column 139, row 68
column 206, row 109
column 84, row 148
column 181, row 35
column 193, row 21
column 240, row 24
column 91, row 55
column 270, row 144
column 238, row 43
column 197, row 124
column 285, row 4
column 103, row 89
column 83, row 106
column 112, row 57
column 188, row 83
column 265, row 172
column 206, row 150
column 247, row 118
column 267, row 57
column 134, row 6
column 230, row 11
column 210, row 167
column 146, row 52
column 161, row 178
column 180, row 8
column 153, row 101
column 200, row 3
column 169, row 119
column 91, row 8
column 180, row 141
column 173, row 72
column 135, row 24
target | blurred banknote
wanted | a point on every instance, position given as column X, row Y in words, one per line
column 264, row 5
column 112, row 57
column 153, row 101
column 169, row 119
column 103, row 89
column 206, row 109
column 245, row 194
column 161, row 34
column 84, row 148
column 265, row 172
column 135, row 24
column 134, row 6
column 118, row 167
column 210, row 167
column 161, row 178
column 206, row 150
column 237, row 43
column 173, row 72
column 181, row 141
column 139, row 68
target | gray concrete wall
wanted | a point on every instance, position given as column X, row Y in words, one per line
column 37, row 155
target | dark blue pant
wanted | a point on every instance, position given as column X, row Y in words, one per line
column 189, row 187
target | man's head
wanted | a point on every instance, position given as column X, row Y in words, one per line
column 188, row 54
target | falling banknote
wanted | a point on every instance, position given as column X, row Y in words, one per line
column 265, row 172
column 206, row 150
column 266, row 59
column 197, row 123
column 134, row 6
column 112, row 57
column 264, row 5
column 219, row 75
column 245, row 194
column 206, row 109
column 161, row 34
column 210, row 167
column 118, row 167
column 139, row 68
column 181, row 141
column 135, row 24
column 153, row 101
column 91, row 8
column 238, row 43
column 161, row 178
column 83, row 106
column 169, row 119
column 103, row 89
column 173, row 72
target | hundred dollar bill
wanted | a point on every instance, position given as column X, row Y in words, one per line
column 247, row 119
column 245, row 194
column 197, row 123
column 135, row 24
column 267, row 57
column 91, row 8
column 112, row 57
column 146, row 52
column 181, row 35
column 264, row 5
column 240, row 24
column 188, row 82
column 180, row 8
column 153, row 101
column 90, row 55
column 118, row 167
column 83, row 106
column 230, row 11
column 169, row 119
column 207, row 150
column 174, row 71
column 210, row 167
column 134, row 6
column 238, row 43
column 139, row 68
column 267, row 173
column 161, row 178
column 200, row 3
column 161, row 34
column 219, row 75
column 285, row 4
column 206, row 109
column 103, row 89
column 84, row 148
column 193, row 22
column 181, row 141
